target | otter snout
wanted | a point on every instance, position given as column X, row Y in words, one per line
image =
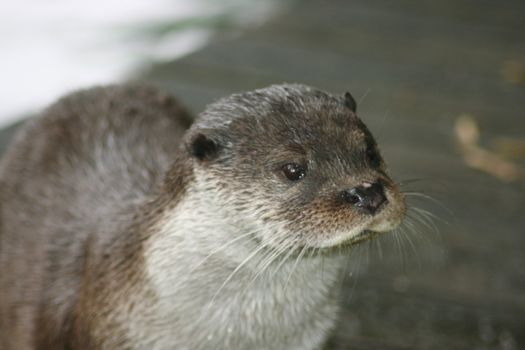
column 367, row 197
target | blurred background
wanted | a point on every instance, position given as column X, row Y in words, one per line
column 50, row 47
column 441, row 84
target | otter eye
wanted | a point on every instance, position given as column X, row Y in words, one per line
column 293, row 171
column 373, row 157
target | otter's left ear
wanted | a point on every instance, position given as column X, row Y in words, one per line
column 350, row 102
column 203, row 147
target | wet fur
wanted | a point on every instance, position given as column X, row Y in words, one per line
column 118, row 226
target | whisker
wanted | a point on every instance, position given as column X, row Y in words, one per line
column 409, row 181
column 284, row 258
column 429, row 215
column 299, row 256
column 278, row 245
column 379, row 248
column 222, row 247
column 244, row 262
column 399, row 244
column 267, row 261
column 406, row 182
column 428, row 197
column 407, row 238
column 422, row 217
column 227, row 244
column 355, row 273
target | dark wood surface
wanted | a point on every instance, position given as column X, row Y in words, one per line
column 415, row 67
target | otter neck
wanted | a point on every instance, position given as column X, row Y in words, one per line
column 199, row 264
column 198, row 237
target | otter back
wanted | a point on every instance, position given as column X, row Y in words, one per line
column 70, row 177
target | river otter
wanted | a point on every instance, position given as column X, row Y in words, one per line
column 123, row 227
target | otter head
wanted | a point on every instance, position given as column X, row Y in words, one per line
column 294, row 164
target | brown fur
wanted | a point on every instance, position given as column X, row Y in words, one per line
column 51, row 300
column 92, row 233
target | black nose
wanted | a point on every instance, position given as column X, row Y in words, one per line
column 367, row 197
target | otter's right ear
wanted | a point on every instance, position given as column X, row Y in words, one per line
column 202, row 147
column 350, row 101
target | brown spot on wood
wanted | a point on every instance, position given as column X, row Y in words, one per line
column 468, row 135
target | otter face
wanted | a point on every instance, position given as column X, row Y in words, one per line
column 297, row 165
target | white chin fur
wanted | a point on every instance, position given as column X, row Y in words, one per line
column 384, row 225
column 354, row 234
column 340, row 237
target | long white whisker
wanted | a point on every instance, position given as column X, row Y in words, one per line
column 429, row 198
column 299, row 257
column 268, row 259
column 244, row 262
column 227, row 244
column 290, row 246
column 409, row 240
column 422, row 217
column 409, row 181
column 379, row 249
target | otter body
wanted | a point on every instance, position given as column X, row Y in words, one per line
column 122, row 229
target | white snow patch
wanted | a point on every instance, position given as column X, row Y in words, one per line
column 50, row 47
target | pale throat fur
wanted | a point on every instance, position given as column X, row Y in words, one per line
column 205, row 264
